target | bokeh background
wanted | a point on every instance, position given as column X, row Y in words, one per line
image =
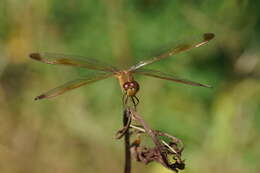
column 75, row 131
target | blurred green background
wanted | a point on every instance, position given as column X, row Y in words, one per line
column 75, row 131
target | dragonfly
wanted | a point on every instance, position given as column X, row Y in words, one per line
column 129, row 86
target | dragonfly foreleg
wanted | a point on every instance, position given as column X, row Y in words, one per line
column 136, row 100
column 125, row 99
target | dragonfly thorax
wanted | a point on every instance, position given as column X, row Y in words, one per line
column 131, row 88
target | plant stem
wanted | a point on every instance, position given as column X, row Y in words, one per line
column 127, row 168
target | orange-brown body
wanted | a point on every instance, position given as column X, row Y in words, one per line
column 127, row 83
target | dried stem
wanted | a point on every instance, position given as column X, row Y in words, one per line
column 127, row 168
column 162, row 151
column 166, row 153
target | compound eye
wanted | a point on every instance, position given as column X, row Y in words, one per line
column 135, row 85
column 132, row 84
column 126, row 85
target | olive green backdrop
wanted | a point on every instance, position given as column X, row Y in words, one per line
column 74, row 133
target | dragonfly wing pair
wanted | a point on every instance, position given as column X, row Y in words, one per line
column 75, row 61
column 108, row 70
column 197, row 42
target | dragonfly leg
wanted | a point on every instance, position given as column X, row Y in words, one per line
column 125, row 99
column 135, row 100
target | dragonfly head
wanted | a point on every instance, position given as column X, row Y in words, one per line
column 131, row 88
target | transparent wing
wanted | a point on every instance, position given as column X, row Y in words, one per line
column 178, row 49
column 161, row 75
column 73, row 84
column 72, row 60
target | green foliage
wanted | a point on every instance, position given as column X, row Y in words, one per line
column 74, row 132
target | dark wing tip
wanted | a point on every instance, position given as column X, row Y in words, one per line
column 40, row 97
column 208, row 36
column 35, row 56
